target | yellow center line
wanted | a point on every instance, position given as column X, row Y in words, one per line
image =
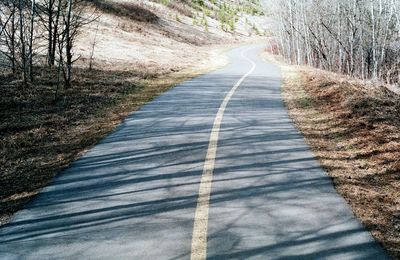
column 199, row 236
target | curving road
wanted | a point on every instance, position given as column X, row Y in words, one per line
column 212, row 168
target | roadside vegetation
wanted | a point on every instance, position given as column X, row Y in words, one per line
column 353, row 128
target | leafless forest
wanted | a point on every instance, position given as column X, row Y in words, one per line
column 34, row 33
column 357, row 37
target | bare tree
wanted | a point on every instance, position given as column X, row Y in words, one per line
column 31, row 32
column 49, row 15
column 347, row 36
column 93, row 46
column 73, row 19
column 3, row 23
column 24, row 64
column 8, row 36
column 25, row 26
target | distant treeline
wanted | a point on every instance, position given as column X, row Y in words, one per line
column 34, row 33
column 355, row 37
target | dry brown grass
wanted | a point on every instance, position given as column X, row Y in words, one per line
column 354, row 129
column 41, row 135
column 134, row 11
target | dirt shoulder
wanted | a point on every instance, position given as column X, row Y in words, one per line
column 353, row 129
column 41, row 134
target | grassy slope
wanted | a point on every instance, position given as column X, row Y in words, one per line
column 354, row 130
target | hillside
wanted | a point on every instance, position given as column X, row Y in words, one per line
column 140, row 32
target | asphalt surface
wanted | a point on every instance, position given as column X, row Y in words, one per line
column 134, row 195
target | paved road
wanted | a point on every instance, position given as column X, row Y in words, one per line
column 134, row 195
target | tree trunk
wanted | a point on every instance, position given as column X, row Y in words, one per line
column 22, row 43
column 68, row 45
column 31, row 41
column 12, row 42
column 50, row 14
